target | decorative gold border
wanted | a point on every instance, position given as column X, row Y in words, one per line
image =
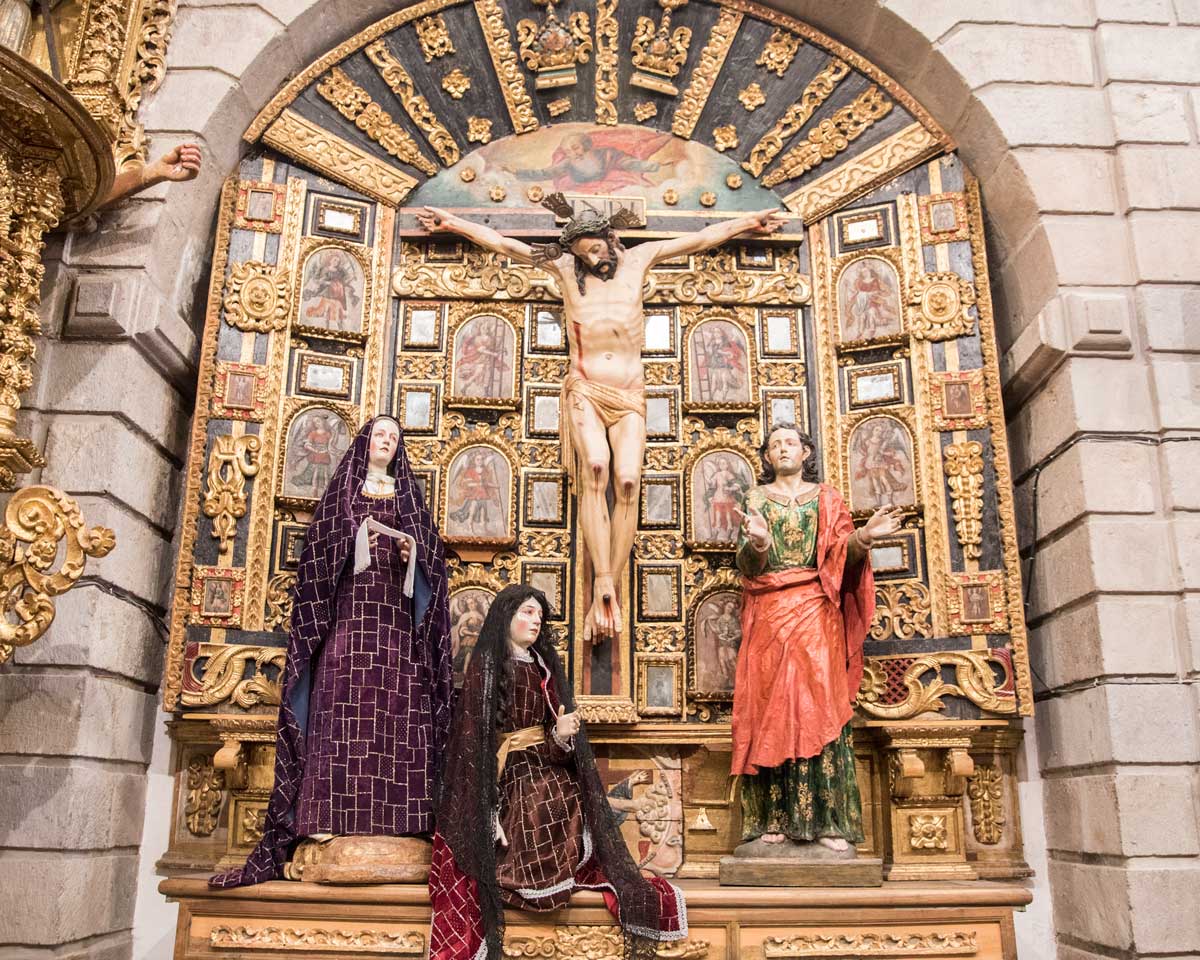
column 278, row 204
column 558, row 614
column 293, row 407
column 532, row 392
column 937, row 382
column 309, row 248
column 534, row 346
column 856, row 373
column 309, row 358
column 993, row 582
column 796, row 352
column 799, row 395
column 665, row 353
column 283, row 529
column 528, row 478
column 460, row 314
column 670, row 480
column 675, row 662
column 198, row 615
column 439, row 341
column 724, row 580
column 849, row 220
column 482, row 435
column 356, row 210
column 906, row 417
column 430, row 475
column 434, row 388
column 262, row 393
column 892, row 257
column 720, row 440
column 908, row 548
column 644, row 571
column 962, row 227
column 672, row 394
column 691, row 320
column 504, row 63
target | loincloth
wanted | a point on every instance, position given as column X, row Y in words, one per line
column 612, row 404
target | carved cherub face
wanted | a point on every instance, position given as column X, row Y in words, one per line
column 526, row 624
column 385, row 440
column 786, row 452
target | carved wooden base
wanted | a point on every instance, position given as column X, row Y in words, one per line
column 922, row 921
column 794, row 872
column 361, row 860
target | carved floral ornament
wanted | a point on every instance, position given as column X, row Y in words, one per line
column 258, row 298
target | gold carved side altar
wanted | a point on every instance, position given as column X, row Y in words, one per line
column 867, row 320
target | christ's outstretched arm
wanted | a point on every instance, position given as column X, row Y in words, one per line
column 762, row 222
column 433, row 219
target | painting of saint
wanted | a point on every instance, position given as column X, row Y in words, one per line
column 316, row 441
column 331, row 294
column 869, row 300
column 660, row 686
column 482, row 366
column 478, row 495
column 218, row 597
column 719, row 364
column 957, row 402
column 719, row 484
column 976, row 607
column 881, row 465
column 239, row 391
column 718, row 634
column 467, row 611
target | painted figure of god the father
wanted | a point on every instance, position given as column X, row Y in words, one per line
column 603, row 406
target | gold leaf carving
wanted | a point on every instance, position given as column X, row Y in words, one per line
column 725, row 138
column 146, row 75
column 704, row 74
column 796, row 116
column 401, row 84
column 40, row 522
column 279, row 601
column 318, row 939
column 231, row 461
column 202, row 803
column 658, row 53
column 964, row 475
column 855, row 946
column 253, row 821
column 592, row 943
column 551, row 49
column 644, row 111
column 985, row 791
column 479, row 129
column 259, row 297
column 831, row 136
column 456, row 83
column 223, row 677
column 779, row 51
column 545, row 543
column 927, row 831
column 752, row 97
column 508, row 69
column 902, row 611
column 330, row 155
column 940, row 306
column 356, row 105
column 434, row 37
column 606, row 61
column 660, row 639
column 973, row 675
column 557, row 108
column 658, row 546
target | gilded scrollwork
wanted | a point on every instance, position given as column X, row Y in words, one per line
column 205, row 794
column 40, row 522
column 796, row 116
column 145, row 76
column 230, row 462
column 280, row 600
column 506, row 65
column 902, row 611
column 223, row 677
column 658, row 52
column 831, row 136
column 704, row 74
column 778, row 52
column 607, row 56
column 963, row 466
column 940, row 306
column 974, row 677
column 920, row 943
column 752, row 97
column 434, row 37
column 551, row 49
column 928, row 831
column 356, row 105
column 661, row 638
column 400, row 943
column 258, row 298
column 401, row 84
column 456, row 83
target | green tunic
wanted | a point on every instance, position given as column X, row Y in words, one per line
column 818, row 796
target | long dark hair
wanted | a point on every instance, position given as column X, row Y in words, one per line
column 469, row 790
column 807, row 472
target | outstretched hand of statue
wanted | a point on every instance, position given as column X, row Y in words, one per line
column 754, row 526
column 178, row 165
column 884, row 522
column 567, row 724
column 767, row 221
column 434, row 219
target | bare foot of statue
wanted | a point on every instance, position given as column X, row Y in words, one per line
column 773, row 838
column 605, row 615
column 834, row 843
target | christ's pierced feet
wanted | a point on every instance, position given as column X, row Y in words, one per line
column 604, row 618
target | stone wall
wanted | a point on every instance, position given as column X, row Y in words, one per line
column 1079, row 116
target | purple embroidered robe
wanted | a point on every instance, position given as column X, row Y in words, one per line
column 367, row 685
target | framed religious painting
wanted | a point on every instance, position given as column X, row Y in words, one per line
column 545, row 498
column 541, row 411
column 784, row 405
column 779, row 331
column 658, row 505
column 240, row 392
column 485, row 345
column 334, row 292
column 468, row 608
column 338, row 217
column 659, row 591
column 478, row 498
column 216, row 596
column 715, row 634
column 869, row 301
column 260, row 206
column 418, row 406
column 716, row 482
column 660, row 684
column 865, row 227
column 976, row 603
column 661, row 332
column 720, row 371
column 317, row 437
column 549, row 576
column 323, row 375
column 422, row 326
column 546, row 331
column 880, row 467
column 289, row 544
column 662, row 414
column 957, row 400
column 875, row 385
column 944, row 218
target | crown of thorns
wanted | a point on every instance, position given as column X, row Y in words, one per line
column 590, row 222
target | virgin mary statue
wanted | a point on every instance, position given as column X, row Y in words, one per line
column 366, row 690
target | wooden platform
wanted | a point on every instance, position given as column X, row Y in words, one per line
column 911, row 920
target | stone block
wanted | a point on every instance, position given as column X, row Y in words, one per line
column 1152, row 723
column 1134, row 11
column 1082, row 815
column 1187, row 11
column 1168, row 316
column 1187, row 539
column 188, row 100
column 1181, row 468
column 1091, row 903
column 142, row 562
column 1162, row 899
column 1012, row 208
column 999, row 53
column 100, row 305
column 1190, row 615
column 1145, row 114
column 101, row 456
column 1165, row 245
column 1090, row 250
column 1029, row 275
column 936, row 19
column 1158, row 815
column 1067, row 180
column 1152, row 54
column 86, row 621
column 125, row 232
column 51, row 805
column 1041, row 115
column 1177, row 386
column 239, row 33
column 1160, row 177
column 75, row 714
column 60, row 898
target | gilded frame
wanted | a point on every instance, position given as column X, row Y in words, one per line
column 531, row 477
column 645, row 661
column 908, row 539
column 428, row 475
column 406, row 387
column 848, row 220
column 534, row 391
column 645, row 570
column 459, row 315
column 200, row 612
column 853, row 374
column 692, row 320
column 439, row 325
column 536, row 347
column 724, row 580
column 671, row 351
column 731, row 445
column 559, row 603
column 939, row 383
column 320, row 203
column 481, row 437
column 241, row 219
column 765, row 350
column 893, row 257
column 293, row 407
column 906, row 417
column 261, row 393
column 286, row 533
column 958, row 614
column 672, row 395
column 670, row 481
column 306, row 359
column 799, row 398
column 311, row 247
column 962, row 223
